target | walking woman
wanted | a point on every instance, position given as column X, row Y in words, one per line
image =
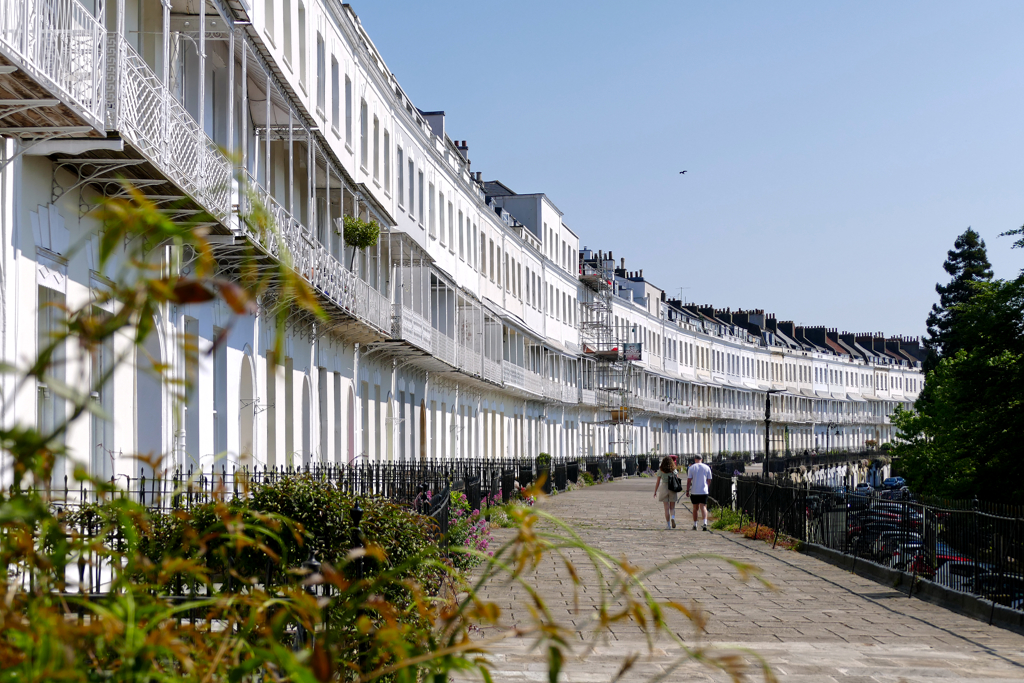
column 663, row 493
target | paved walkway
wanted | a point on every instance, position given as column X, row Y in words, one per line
column 822, row 624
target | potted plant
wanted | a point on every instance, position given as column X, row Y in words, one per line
column 360, row 234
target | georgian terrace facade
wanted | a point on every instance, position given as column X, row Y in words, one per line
column 458, row 335
column 704, row 374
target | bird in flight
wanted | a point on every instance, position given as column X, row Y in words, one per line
column 682, row 172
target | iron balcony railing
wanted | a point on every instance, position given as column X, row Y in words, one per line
column 146, row 114
column 313, row 261
column 410, row 326
column 60, row 45
column 514, row 376
column 492, row 370
column 443, row 347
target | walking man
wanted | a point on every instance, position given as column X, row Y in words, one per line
column 697, row 477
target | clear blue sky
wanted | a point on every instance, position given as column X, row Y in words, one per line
column 834, row 149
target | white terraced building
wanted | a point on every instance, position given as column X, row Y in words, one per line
column 477, row 327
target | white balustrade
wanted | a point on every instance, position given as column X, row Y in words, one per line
column 443, row 347
column 492, row 370
column 469, row 360
column 61, row 46
column 412, row 327
column 146, row 114
column 534, row 383
column 514, row 375
column 312, row 260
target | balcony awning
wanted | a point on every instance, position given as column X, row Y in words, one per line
column 839, row 395
column 822, row 394
column 557, row 346
column 806, row 392
column 509, row 318
column 858, row 398
column 375, row 207
column 750, row 384
column 402, row 241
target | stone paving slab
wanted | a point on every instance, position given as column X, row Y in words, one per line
column 821, row 623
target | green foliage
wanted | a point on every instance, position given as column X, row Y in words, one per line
column 543, row 462
column 726, row 519
column 361, row 234
column 391, row 609
column 1019, row 244
column 587, row 478
column 963, row 438
column 967, row 264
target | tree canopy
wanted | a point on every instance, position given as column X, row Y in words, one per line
column 967, row 264
column 964, row 437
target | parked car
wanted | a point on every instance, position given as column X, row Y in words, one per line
column 894, row 483
column 864, row 541
column 944, row 554
column 900, row 511
column 959, row 574
column 888, row 541
column 1003, row 589
column 864, row 488
column 857, row 502
column 869, row 516
column 911, row 557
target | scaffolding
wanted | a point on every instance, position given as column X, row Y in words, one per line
column 606, row 371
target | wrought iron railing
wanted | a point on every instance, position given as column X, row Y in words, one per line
column 443, row 347
column 514, row 376
column 312, row 260
column 412, row 327
column 492, row 370
column 469, row 360
column 146, row 114
column 61, row 46
column 966, row 546
column 534, row 383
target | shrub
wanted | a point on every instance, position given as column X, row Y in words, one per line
column 588, row 478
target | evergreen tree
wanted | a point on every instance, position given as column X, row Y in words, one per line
column 967, row 264
column 1019, row 244
column 964, row 439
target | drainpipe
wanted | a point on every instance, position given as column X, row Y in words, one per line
column 202, row 89
column 166, row 35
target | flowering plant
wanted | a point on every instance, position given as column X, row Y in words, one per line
column 526, row 497
column 466, row 528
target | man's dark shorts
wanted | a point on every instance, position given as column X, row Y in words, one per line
column 699, row 499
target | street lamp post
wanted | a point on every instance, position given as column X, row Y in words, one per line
column 768, row 426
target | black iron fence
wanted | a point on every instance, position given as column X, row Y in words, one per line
column 422, row 486
column 410, row 483
column 965, row 545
